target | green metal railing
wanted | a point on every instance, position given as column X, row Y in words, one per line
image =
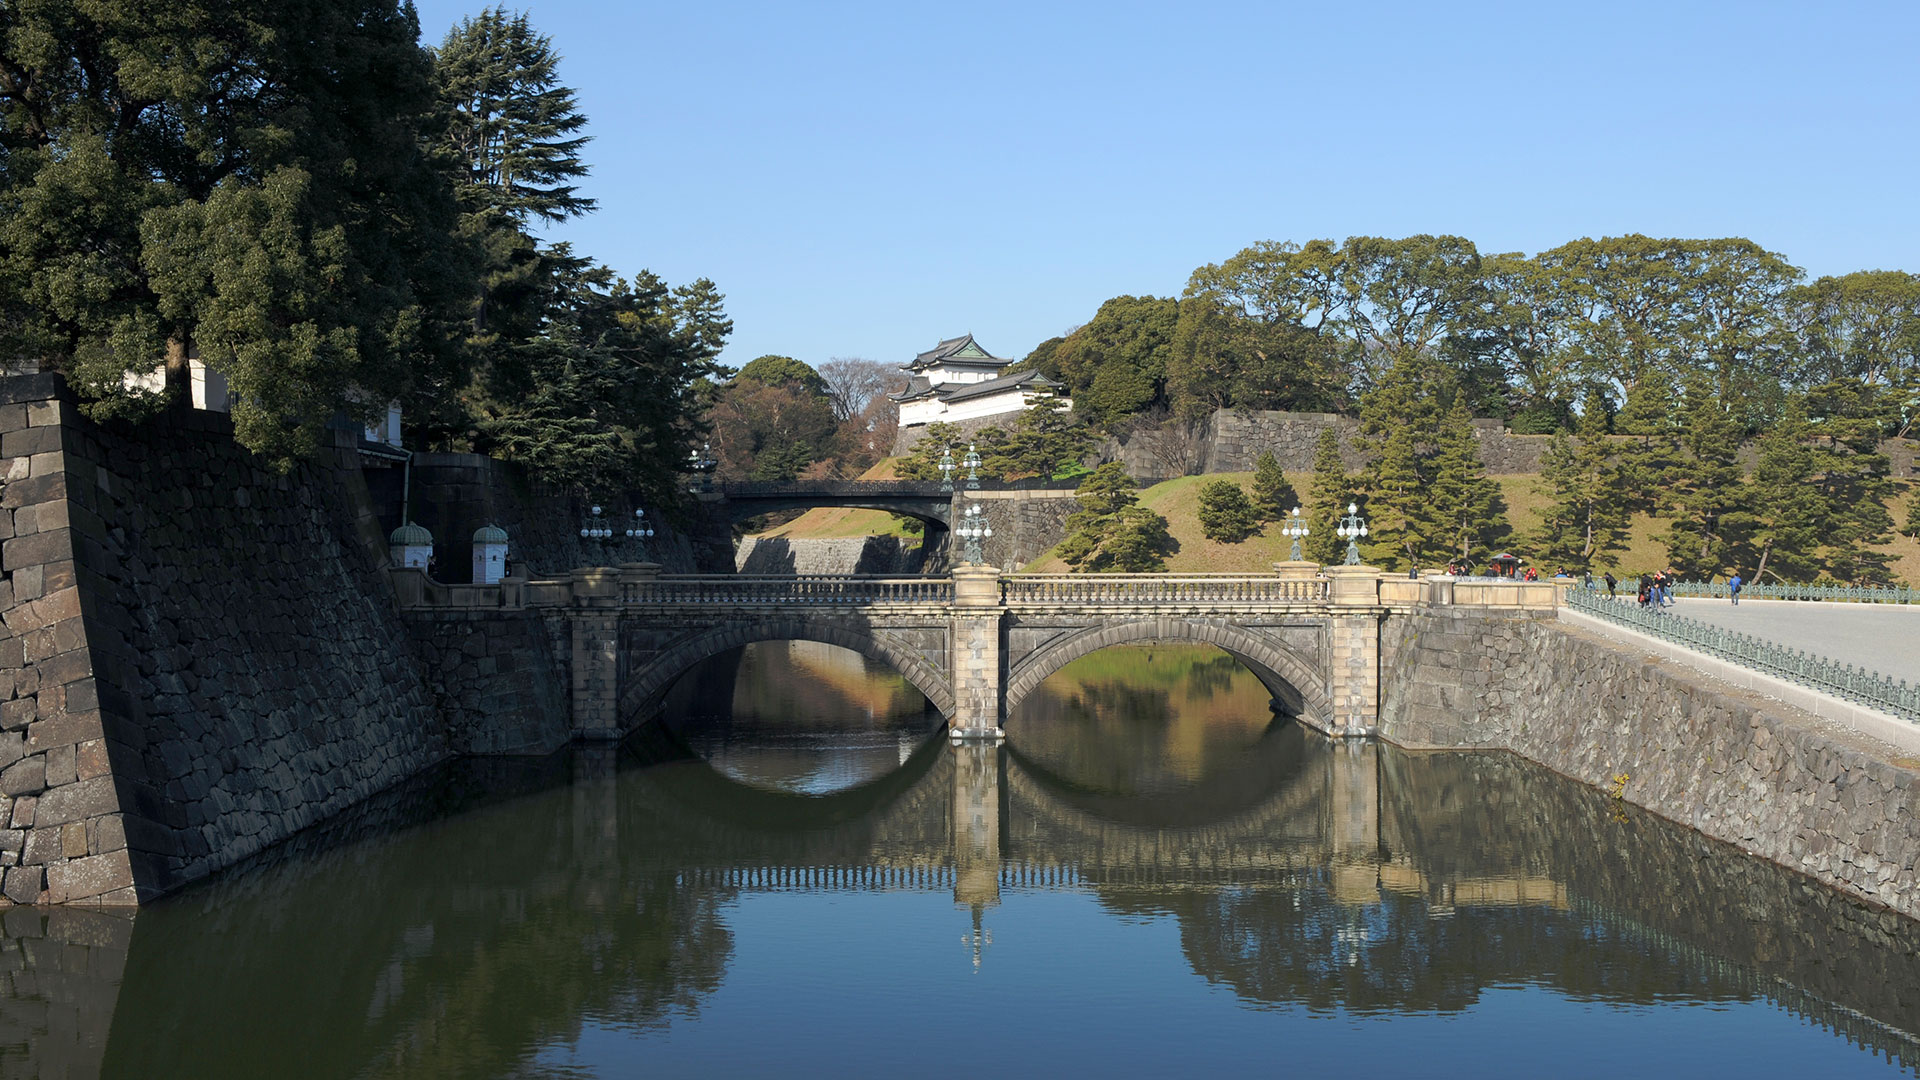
column 1845, row 681
column 1843, row 594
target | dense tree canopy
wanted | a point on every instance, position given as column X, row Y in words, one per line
column 1619, row 323
column 242, row 181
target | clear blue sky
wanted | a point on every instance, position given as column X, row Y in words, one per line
column 863, row 180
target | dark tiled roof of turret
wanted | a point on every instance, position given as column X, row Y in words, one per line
column 1025, row 380
column 963, row 349
column 917, row 387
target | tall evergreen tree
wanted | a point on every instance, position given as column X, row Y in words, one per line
column 1586, row 516
column 603, row 396
column 1852, row 479
column 1704, row 490
column 241, row 181
column 1402, row 520
column 1400, row 423
column 510, row 124
column 1273, row 497
column 1327, row 499
column 1468, row 511
column 1787, row 510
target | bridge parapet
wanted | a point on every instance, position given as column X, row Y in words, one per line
column 1153, row 589
column 807, row 590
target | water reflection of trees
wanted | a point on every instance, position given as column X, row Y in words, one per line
column 453, row 946
column 494, row 914
column 1141, row 719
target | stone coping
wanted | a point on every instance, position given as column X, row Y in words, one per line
column 1871, row 722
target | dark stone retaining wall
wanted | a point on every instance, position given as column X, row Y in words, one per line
column 201, row 656
column 1769, row 779
column 499, row 678
column 1025, row 524
column 452, row 495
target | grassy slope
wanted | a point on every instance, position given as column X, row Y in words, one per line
column 829, row 523
column 1178, row 501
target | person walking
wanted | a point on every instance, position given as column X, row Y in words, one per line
column 1611, row 582
column 1733, row 588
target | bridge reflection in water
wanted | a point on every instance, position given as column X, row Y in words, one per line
column 467, row 926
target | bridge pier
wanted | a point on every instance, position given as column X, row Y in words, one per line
column 1353, row 671
column 974, row 652
column 976, row 824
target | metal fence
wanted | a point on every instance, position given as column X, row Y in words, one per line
column 1159, row 589
column 822, row 589
column 1844, row 594
column 1844, row 681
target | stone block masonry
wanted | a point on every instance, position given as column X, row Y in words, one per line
column 198, row 656
column 1805, row 793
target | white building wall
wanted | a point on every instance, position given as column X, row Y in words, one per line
column 489, row 563
column 932, row 410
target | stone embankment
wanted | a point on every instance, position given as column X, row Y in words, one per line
column 882, row 555
column 1230, row 440
column 197, row 657
column 1775, row 782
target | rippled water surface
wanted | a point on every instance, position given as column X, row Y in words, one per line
column 795, row 875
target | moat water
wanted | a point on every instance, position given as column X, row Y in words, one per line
column 796, row 875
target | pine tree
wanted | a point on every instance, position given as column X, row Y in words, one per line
column 1273, row 497
column 1046, row 441
column 923, row 461
column 1111, row 531
column 1852, row 479
column 510, row 124
column 1586, row 519
column 1467, row 509
column 1401, row 516
column 1704, row 489
column 1400, row 423
column 602, row 395
column 1913, row 512
column 1226, row 515
column 1786, row 506
column 1327, row 500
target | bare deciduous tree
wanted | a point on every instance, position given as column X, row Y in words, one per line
column 853, row 383
column 1173, row 446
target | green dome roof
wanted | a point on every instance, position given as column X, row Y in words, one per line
column 490, row 534
column 410, row 535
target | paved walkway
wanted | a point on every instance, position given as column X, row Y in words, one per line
column 1881, row 637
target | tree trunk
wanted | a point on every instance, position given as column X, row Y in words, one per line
column 1762, row 568
column 179, row 386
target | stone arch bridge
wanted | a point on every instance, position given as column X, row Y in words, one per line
column 975, row 643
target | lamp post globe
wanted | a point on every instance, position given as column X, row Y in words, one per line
column 1351, row 529
column 1296, row 527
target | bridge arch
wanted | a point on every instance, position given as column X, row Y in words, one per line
column 642, row 691
column 1291, row 678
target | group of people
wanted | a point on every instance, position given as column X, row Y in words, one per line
column 1656, row 589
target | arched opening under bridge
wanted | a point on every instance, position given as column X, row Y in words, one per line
column 798, row 716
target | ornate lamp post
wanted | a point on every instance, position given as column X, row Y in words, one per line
column 973, row 468
column 639, row 530
column 946, row 470
column 973, row 529
column 701, row 462
column 594, row 527
column 1352, row 528
column 1296, row 527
